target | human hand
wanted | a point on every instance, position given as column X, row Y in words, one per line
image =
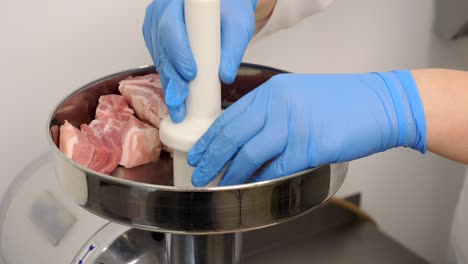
column 301, row 121
column 166, row 38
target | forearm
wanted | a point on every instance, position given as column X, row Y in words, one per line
column 263, row 12
column 444, row 94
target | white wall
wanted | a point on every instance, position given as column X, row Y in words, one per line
column 51, row 47
column 411, row 196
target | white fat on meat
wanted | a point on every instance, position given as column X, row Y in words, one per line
column 140, row 144
column 113, row 106
column 74, row 144
column 146, row 97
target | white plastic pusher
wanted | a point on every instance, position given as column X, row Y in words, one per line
column 203, row 23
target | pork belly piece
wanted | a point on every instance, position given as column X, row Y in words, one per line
column 101, row 151
column 113, row 106
column 140, row 143
column 108, row 131
column 117, row 137
column 74, row 144
column 145, row 96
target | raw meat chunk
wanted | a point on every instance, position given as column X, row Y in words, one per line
column 140, row 144
column 101, row 151
column 113, row 106
column 146, row 96
column 109, row 133
column 116, row 136
column 75, row 145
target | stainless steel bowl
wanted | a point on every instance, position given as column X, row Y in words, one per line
column 144, row 197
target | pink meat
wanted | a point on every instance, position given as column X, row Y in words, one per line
column 101, row 151
column 74, row 144
column 109, row 132
column 116, row 137
column 146, row 96
column 140, row 144
column 113, row 106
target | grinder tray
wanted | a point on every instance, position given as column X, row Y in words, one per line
column 144, row 198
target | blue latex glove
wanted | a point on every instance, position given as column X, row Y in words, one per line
column 166, row 38
column 301, row 121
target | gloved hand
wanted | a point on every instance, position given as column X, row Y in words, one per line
column 166, row 39
column 301, row 121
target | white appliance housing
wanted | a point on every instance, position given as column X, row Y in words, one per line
column 39, row 224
